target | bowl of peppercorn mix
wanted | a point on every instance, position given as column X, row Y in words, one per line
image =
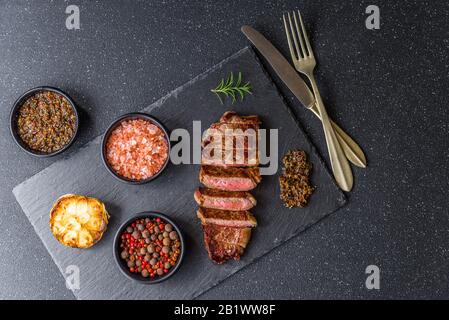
column 148, row 248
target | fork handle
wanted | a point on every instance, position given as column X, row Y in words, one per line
column 340, row 165
column 351, row 149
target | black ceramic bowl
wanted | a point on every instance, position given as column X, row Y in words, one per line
column 121, row 263
column 130, row 116
column 13, row 121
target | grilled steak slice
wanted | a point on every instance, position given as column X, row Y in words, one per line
column 234, row 126
column 236, row 219
column 224, row 200
column 243, row 158
column 230, row 179
column 224, row 243
column 234, row 117
column 230, row 142
column 219, row 131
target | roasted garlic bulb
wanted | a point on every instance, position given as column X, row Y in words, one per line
column 78, row 221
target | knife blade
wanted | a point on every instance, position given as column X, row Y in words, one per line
column 281, row 66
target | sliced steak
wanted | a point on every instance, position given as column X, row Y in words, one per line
column 236, row 219
column 224, row 200
column 230, row 179
column 224, row 243
column 229, row 159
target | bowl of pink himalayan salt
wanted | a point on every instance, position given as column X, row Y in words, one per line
column 136, row 148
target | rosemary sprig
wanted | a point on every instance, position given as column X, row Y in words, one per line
column 232, row 88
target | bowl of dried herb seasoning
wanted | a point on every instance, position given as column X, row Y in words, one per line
column 44, row 121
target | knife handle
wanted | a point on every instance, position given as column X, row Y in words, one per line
column 350, row 148
column 340, row 165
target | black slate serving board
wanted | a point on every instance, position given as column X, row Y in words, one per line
column 172, row 193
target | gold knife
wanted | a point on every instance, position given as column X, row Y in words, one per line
column 300, row 89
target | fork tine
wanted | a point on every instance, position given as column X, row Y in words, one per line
column 306, row 38
column 301, row 54
column 290, row 44
column 298, row 32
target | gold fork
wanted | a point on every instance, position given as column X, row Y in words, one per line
column 305, row 62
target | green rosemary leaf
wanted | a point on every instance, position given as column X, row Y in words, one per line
column 221, row 100
column 232, row 94
column 230, row 80
column 241, row 92
column 221, row 84
column 239, row 80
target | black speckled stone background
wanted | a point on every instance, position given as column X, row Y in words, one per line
column 387, row 88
